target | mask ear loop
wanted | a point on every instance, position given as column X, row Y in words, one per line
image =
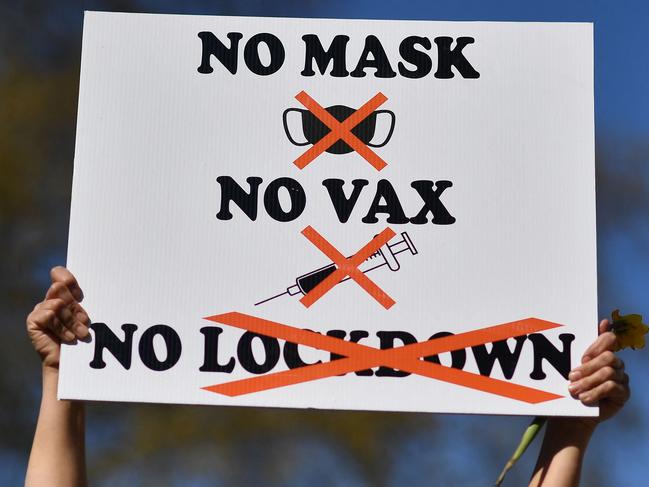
column 392, row 122
column 288, row 133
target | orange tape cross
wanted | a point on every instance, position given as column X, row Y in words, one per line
column 360, row 357
column 340, row 130
column 347, row 267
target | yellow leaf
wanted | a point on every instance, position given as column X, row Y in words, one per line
column 629, row 330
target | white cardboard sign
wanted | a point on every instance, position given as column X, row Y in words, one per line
column 418, row 195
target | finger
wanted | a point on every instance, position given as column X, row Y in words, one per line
column 608, row 390
column 63, row 324
column 61, row 274
column 80, row 328
column 76, row 321
column 45, row 319
column 63, row 331
column 80, row 321
column 604, row 326
column 77, row 308
column 598, row 377
column 81, row 316
column 60, row 291
column 79, row 311
column 604, row 359
column 606, row 341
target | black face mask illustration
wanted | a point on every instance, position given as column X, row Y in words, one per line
column 314, row 130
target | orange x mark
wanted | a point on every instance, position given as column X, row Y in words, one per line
column 360, row 357
column 340, row 130
column 347, row 267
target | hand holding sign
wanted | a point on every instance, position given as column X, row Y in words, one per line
column 58, row 318
column 601, row 379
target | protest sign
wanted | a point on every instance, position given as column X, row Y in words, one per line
column 346, row 214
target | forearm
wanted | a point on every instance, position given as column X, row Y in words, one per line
column 562, row 453
column 58, row 451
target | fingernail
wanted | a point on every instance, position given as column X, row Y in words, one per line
column 585, row 397
column 68, row 335
column 80, row 330
column 574, row 387
column 574, row 375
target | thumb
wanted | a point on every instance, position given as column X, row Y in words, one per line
column 604, row 326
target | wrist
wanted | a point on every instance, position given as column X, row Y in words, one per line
column 50, row 371
column 50, row 389
column 50, row 380
column 50, row 401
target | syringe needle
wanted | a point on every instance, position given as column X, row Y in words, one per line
column 386, row 257
column 266, row 300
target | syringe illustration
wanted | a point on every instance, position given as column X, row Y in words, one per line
column 385, row 256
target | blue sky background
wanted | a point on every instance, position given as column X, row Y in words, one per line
column 471, row 447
